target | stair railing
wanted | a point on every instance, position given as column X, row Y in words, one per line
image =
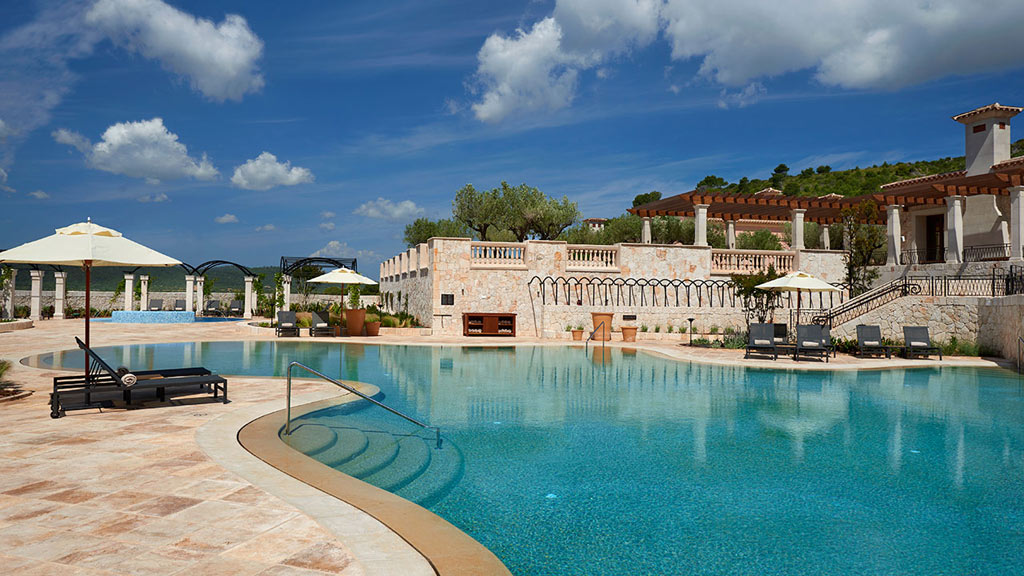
column 586, row 345
column 868, row 301
column 288, row 420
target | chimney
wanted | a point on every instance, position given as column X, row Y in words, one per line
column 987, row 132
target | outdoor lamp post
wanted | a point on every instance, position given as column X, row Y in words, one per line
column 690, row 341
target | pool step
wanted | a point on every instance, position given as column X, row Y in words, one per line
column 413, row 458
column 349, row 443
column 381, row 451
column 446, row 468
column 311, row 439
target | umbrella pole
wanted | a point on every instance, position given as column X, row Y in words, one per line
column 88, row 310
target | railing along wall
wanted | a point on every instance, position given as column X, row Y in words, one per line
column 749, row 261
column 497, row 254
column 660, row 293
column 590, row 257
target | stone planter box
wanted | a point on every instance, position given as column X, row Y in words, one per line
column 16, row 325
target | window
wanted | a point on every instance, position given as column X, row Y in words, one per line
column 1002, row 125
column 979, row 128
column 447, row 299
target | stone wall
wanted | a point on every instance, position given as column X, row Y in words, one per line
column 827, row 265
column 945, row 318
column 887, row 274
column 1003, row 322
column 101, row 299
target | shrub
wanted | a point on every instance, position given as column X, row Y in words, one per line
column 389, row 322
column 4, row 366
column 568, row 327
column 643, row 327
column 713, row 330
column 657, row 329
column 705, row 343
column 956, row 347
column 734, row 341
column 729, row 331
column 579, row 326
column 668, row 329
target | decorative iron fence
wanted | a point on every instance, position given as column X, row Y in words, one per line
column 1015, row 281
column 925, row 256
column 661, row 293
column 987, row 252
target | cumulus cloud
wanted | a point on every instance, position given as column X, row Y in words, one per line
column 145, row 149
column 337, row 249
column 327, row 215
column 266, row 228
column 264, row 172
column 39, row 195
column 3, row 182
column 158, row 197
column 5, row 131
column 220, row 60
column 854, row 44
column 226, row 219
column 327, row 226
column 385, row 209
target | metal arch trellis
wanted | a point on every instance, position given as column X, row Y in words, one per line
column 205, row 267
column 658, row 292
column 290, row 263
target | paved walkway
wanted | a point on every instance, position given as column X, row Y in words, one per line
column 131, row 492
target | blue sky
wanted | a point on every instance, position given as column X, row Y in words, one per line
column 327, row 126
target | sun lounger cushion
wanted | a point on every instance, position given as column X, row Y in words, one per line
column 915, row 343
column 287, row 325
column 810, row 344
column 321, row 324
column 760, row 342
column 871, row 343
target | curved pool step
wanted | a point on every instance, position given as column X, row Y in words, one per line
column 350, row 443
column 381, row 451
column 311, row 439
column 446, row 468
column 413, row 458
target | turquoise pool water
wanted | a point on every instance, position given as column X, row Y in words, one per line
column 626, row 463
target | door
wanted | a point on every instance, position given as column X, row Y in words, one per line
column 935, row 238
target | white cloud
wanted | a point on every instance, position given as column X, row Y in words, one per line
column 266, row 228
column 750, row 94
column 387, row 210
column 327, row 226
column 144, row 149
column 264, row 172
column 226, row 219
column 327, row 215
column 158, row 197
column 3, row 182
column 5, row 131
column 220, row 60
column 337, row 249
column 39, row 195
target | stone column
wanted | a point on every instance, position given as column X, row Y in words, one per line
column 37, row 295
column 247, row 312
column 954, row 230
column 1017, row 223
column 730, row 234
column 894, row 236
column 200, row 296
column 59, row 293
column 129, row 292
column 286, row 285
column 700, row 225
column 826, row 240
column 189, row 292
column 797, row 232
column 645, row 236
column 144, row 293
column 10, row 293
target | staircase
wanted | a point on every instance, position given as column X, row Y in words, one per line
column 875, row 298
column 381, row 452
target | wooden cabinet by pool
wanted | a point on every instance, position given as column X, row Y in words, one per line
column 489, row 324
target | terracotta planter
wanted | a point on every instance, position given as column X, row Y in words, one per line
column 354, row 321
column 629, row 333
column 605, row 333
column 577, row 335
column 372, row 328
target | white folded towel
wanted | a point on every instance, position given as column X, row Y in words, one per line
column 871, row 343
column 287, row 325
column 129, row 379
column 321, row 325
column 760, row 342
column 919, row 344
column 810, row 344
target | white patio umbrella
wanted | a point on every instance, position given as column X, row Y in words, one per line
column 342, row 276
column 797, row 282
column 87, row 245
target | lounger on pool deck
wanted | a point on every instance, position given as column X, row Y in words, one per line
column 761, row 340
column 869, row 341
column 235, row 308
column 103, row 385
column 320, row 327
column 286, row 324
column 156, row 304
column 810, row 341
column 213, row 308
column 917, row 343
column 179, row 305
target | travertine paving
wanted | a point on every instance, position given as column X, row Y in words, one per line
column 132, row 492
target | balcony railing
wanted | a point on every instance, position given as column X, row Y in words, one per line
column 748, row 261
column 986, row 252
column 924, row 256
column 497, row 255
column 592, row 258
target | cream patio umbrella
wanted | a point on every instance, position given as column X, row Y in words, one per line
column 87, row 245
column 342, row 276
column 797, row 282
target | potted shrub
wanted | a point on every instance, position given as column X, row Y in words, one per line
column 577, row 332
column 605, row 331
column 629, row 333
column 355, row 317
column 372, row 324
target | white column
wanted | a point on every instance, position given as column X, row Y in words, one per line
column 894, row 236
column 826, row 240
column 37, row 295
column 129, row 291
column 954, row 230
column 645, row 235
column 700, row 225
column 59, row 293
column 287, row 287
column 1017, row 223
column 144, row 293
column 798, row 229
column 730, row 234
column 11, row 292
column 200, row 295
column 189, row 292
column 247, row 313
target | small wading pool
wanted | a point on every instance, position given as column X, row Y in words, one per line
column 624, row 463
column 162, row 317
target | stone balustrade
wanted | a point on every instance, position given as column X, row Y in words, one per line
column 748, row 261
column 587, row 257
column 497, row 254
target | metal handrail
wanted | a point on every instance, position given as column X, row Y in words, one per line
column 288, row 421
column 586, row 345
column 1020, row 344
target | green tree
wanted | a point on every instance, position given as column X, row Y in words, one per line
column 758, row 305
column 556, row 216
column 758, row 240
column 625, row 228
column 712, row 182
column 867, row 246
column 824, row 169
column 522, row 207
column 807, row 172
column 646, row 198
column 478, row 210
column 423, row 229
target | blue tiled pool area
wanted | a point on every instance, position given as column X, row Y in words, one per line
column 160, row 317
column 622, row 462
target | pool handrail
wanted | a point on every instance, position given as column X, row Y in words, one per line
column 288, row 416
column 586, row 345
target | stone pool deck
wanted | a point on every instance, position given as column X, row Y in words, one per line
column 167, row 490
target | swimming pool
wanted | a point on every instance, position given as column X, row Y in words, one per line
column 627, row 463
